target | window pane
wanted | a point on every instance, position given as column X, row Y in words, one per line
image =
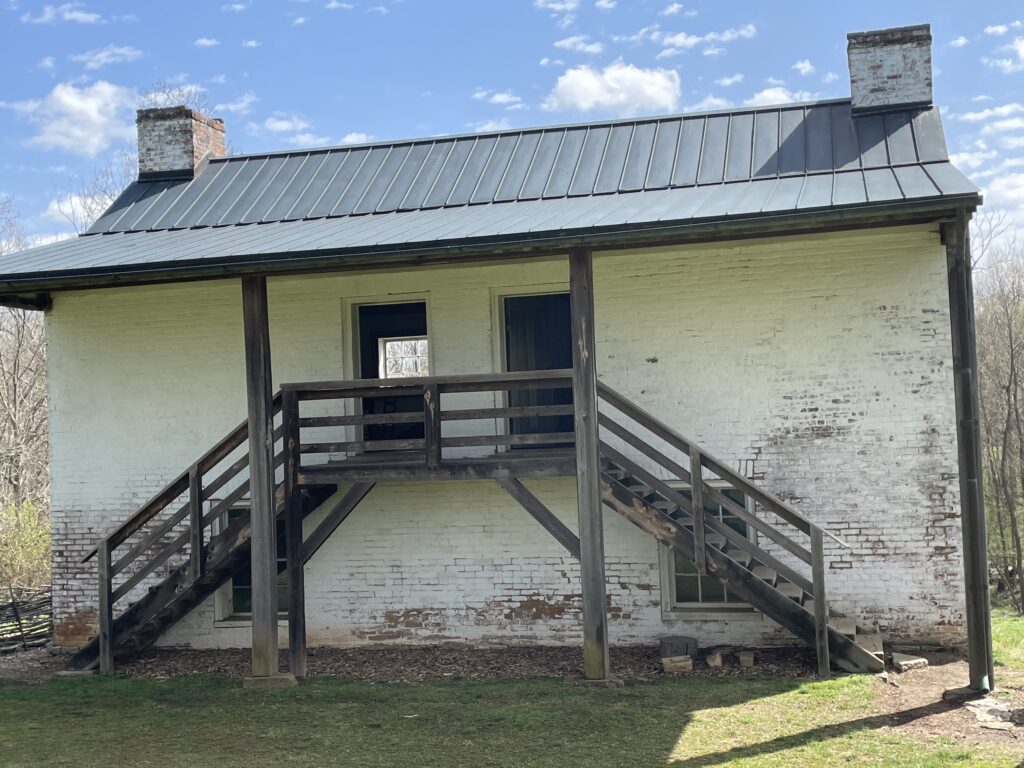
column 687, row 589
column 405, row 357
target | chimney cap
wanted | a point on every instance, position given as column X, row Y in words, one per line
column 916, row 33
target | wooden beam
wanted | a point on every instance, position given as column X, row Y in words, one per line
column 335, row 517
column 261, row 472
column 968, row 429
column 106, row 612
column 820, row 603
column 539, row 512
column 293, row 536
column 588, row 466
column 39, row 302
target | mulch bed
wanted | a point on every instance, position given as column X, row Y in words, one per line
column 410, row 664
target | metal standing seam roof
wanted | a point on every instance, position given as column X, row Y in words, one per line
column 628, row 173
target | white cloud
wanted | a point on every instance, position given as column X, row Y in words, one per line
column 110, row 54
column 47, row 64
column 959, row 41
column 356, row 137
column 709, row 103
column 240, row 106
column 308, row 140
column 747, row 31
column 299, row 20
column 998, row 30
column 804, row 67
column 219, row 79
column 829, row 77
column 206, row 42
column 250, row 43
column 672, row 9
column 675, row 44
column 606, row 5
column 725, row 82
column 1013, row 142
column 546, row 62
column 620, row 88
column 651, row 33
column 84, row 121
column 777, row 94
column 491, row 125
column 235, row 7
column 504, row 98
column 334, row 5
column 1005, row 110
column 1009, row 65
column 282, row 123
column 70, row 12
column 562, row 11
column 1000, row 126
column 59, row 209
column 580, row 44
column 972, row 160
column 378, row 9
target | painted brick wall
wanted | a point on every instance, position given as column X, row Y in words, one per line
column 819, row 364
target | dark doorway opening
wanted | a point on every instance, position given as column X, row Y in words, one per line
column 393, row 344
column 538, row 337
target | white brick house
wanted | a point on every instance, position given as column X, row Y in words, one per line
column 787, row 287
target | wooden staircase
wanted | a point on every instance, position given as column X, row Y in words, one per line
column 643, row 481
column 184, row 551
column 178, row 549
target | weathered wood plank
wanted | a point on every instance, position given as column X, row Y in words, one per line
column 293, row 536
column 491, row 381
column 533, row 438
column 562, row 464
column 540, row 512
column 106, row 612
column 697, row 499
column 588, row 466
column 820, row 603
column 195, row 522
column 256, row 328
column 432, row 425
column 335, row 517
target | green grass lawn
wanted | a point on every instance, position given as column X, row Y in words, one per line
column 691, row 722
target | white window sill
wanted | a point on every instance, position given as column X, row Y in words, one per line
column 698, row 613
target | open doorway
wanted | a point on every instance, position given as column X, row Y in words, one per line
column 538, row 337
column 392, row 344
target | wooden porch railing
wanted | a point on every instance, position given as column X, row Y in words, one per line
column 627, row 424
column 137, row 548
column 433, row 413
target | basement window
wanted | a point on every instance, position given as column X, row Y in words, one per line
column 403, row 356
column 689, row 592
column 241, row 582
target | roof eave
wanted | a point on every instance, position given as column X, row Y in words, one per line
column 529, row 245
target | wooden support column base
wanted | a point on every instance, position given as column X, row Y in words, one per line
column 279, row 680
column 602, row 682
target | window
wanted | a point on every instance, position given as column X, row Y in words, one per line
column 403, row 356
column 690, row 590
column 241, row 582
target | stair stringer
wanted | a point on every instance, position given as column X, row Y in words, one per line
column 844, row 652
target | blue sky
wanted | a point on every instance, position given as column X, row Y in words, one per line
column 314, row 72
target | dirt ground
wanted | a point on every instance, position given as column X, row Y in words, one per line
column 912, row 701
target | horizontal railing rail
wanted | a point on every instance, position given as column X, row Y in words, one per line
column 420, row 430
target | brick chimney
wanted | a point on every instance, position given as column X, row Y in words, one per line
column 174, row 141
column 890, row 68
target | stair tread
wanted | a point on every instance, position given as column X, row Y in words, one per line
column 764, row 572
column 741, row 556
column 872, row 643
column 789, row 589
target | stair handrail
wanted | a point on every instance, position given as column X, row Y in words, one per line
column 120, row 533
column 685, row 445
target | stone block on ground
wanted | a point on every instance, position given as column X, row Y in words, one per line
column 676, row 665
column 747, row 658
column 714, row 659
column 904, row 662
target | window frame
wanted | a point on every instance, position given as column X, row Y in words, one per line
column 717, row 611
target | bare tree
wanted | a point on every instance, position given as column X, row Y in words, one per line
column 990, row 229
column 24, row 454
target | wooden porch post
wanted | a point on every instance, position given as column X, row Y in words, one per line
column 261, row 477
column 588, row 469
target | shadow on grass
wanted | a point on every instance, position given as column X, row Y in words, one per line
column 814, row 735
